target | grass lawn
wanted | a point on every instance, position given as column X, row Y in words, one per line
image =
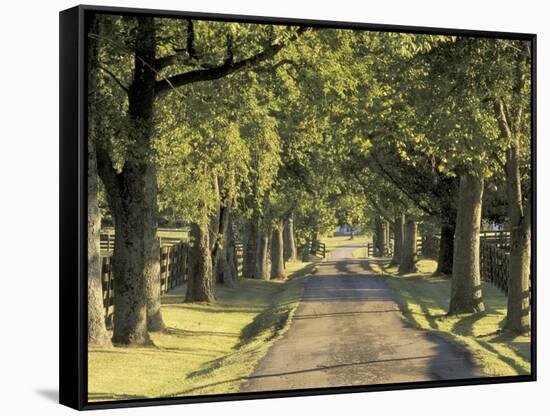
column 426, row 299
column 333, row 242
column 360, row 253
column 207, row 349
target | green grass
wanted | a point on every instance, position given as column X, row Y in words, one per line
column 359, row 253
column 208, row 349
column 333, row 242
column 426, row 298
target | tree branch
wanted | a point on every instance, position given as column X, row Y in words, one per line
column 228, row 67
column 386, row 173
column 113, row 76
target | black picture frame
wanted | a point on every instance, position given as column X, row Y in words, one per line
column 73, row 203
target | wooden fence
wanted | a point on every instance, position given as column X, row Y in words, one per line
column 493, row 265
column 173, row 266
column 318, row 248
column 500, row 239
column 173, row 272
column 107, row 238
column 239, row 247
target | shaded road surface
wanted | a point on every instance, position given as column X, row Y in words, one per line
column 348, row 330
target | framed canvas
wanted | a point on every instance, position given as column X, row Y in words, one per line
column 255, row 207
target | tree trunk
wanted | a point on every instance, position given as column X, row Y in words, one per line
column 200, row 285
column 446, row 242
column 152, row 265
column 466, row 296
column 223, row 267
column 127, row 195
column 232, row 261
column 518, row 319
column 409, row 255
column 277, row 252
column 250, row 248
column 97, row 332
column 262, row 255
column 380, row 237
column 387, row 232
column 291, row 253
column 128, row 263
column 398, row 231
column 352, row 234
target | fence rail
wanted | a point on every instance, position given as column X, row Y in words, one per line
column 174, row 261
column 500, row 239
column 318, row 248
column 173, row 272
column 493, row 262
column 107, row 238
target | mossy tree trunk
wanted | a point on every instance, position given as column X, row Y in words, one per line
column 409, row 254
column 466, row 295
column 277, row 251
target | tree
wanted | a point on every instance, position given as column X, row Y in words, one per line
column 466, row 284
column 510, row 112
column 409, row 255
column 132, row 206
column 97, row 332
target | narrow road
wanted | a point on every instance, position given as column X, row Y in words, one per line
column 348, row 330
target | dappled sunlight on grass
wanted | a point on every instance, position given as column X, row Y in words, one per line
column 208, row 348
column 425, row 299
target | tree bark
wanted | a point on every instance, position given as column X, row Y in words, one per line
column 409, row 255
column 277, row 252
column 128, row 263
column 152, row 266
column 200, row 285
column 387, row 232
column 466, row 296
column 127, row 196
column 97, row 331
column 380, row 237
column 291, row 253
column 352, row 233
column 262, row 255
column 398, row 232
column 250, row 248
column 223, row 268
column 446, row 242
column 518, row 319
column 232, row 261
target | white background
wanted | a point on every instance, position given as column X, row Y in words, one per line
column 29, row 205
